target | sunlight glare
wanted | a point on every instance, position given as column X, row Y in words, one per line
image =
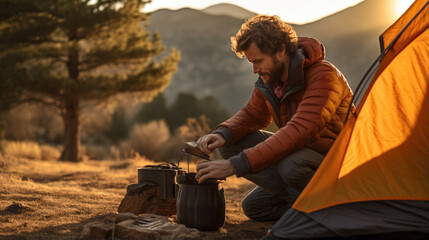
column 401, row 6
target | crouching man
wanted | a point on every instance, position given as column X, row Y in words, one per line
column 306, row 97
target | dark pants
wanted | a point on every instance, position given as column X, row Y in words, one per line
column 278, row 185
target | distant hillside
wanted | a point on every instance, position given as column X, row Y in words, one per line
column 227, row 9
column 208, row 65
column 365, row 16
column 351, row 36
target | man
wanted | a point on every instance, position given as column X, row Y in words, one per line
column 305, row 96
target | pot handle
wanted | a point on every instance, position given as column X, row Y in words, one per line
column 170, row 165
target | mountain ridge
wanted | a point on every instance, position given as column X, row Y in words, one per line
column 228, row 9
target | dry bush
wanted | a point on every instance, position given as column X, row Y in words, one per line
column 30, row 150
column 26, row 149
column 191, row 131
column 114, row 153
column 154, row 141
column 49, row 152
column 149, row 139
column 194, row 128
column 30, row 122
column 125, row 150
column 4, row 163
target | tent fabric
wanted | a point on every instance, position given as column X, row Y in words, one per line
column 382, row 152
column 382, row 219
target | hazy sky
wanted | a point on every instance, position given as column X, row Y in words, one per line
column 293, row 11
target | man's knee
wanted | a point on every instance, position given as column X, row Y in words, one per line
column 258, row 212
column 250, row 209
column 260, row 206
column 297, row 169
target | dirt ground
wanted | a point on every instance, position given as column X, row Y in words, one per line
column 58, row 198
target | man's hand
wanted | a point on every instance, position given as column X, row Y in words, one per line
column 214, row 169
column 210, row 142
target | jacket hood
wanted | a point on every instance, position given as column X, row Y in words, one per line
column 313, row 49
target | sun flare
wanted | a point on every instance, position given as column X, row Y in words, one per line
column 401, row 6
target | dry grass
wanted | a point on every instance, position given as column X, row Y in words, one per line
column 60, row 198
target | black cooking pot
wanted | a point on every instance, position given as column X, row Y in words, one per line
column 200, row 206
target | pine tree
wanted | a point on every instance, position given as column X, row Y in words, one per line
column 64, row 52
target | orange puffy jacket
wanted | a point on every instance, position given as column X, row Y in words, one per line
column 310, row 114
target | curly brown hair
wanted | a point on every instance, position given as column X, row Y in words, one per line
column 269, row 33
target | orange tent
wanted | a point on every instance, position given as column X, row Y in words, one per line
column 383, row 151
column 375, row 179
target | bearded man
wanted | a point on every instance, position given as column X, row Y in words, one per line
column 306, row 97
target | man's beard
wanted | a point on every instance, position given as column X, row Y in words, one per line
column 275, row 75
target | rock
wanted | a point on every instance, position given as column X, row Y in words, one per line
column 103, row 229
column 151, row 216
column 124, row 226
column 144, row 198
column 150, row 229
column 15, row 208
column 98, row 230
column 119, row 217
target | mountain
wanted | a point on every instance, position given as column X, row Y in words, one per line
column 351, row 36
column 208, row 66
column 227, row 9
